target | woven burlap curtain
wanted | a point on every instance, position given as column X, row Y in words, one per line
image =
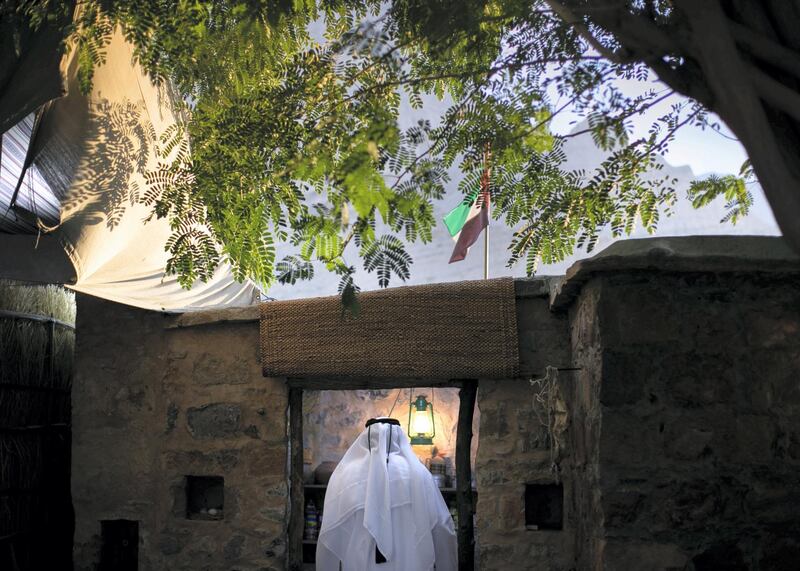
column 448, row 331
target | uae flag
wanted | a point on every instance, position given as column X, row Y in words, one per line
column 466, row 222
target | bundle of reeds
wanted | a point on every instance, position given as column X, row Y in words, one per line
column 37, row 342
column 35, row 354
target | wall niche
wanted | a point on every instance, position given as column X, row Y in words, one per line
column 544, row 507
column 205, row 497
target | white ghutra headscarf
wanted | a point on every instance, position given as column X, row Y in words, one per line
column 381, row 496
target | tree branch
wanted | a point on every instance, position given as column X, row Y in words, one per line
column 489, row 71
column 435, row 143
column 648, row 105
column 739, row 104
column 766, row 49
column 661, row 145
column 576, row 22
column 774, row 92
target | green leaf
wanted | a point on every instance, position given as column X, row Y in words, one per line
column 293, row 268
column 386, row 256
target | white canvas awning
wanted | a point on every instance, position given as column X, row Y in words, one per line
column 89, row 157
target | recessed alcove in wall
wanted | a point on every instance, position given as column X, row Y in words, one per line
column 205, row 497
column 544, row 506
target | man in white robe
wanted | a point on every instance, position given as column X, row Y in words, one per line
column 383, row 511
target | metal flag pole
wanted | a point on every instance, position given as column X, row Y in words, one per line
column 486, row 246
column 486, row 175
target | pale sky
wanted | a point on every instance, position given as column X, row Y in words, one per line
column 705, row 151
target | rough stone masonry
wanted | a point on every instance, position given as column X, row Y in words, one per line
column 678, row 440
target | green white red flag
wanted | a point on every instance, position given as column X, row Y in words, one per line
column 466, row 222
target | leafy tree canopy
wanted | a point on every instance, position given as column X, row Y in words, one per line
column 294, row 136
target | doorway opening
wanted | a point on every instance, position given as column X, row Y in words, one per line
column 120, row 545
column 325, row 419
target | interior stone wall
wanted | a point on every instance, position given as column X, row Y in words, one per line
column 688, row 447
column 332, row 420
column 152, row 405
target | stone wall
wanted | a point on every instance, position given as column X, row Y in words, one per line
column 516, row 447
column 672, row 423
column 690, row 415
column 153, row 405
column 580, row 391
column 675, row 419
column 698, row 449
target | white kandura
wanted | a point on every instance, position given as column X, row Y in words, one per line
column 393, row 505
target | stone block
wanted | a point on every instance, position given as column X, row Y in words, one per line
column 754, row 436
column 511, row 511
column 213, row 369
column 644, row 556
column 274, row 515
column 714, row 327
column 172, row 417
column 621, row 508
column 686, row 505
column 782, row 551
column 628, row 440
column 233, row 548
column 216, row 420
column 774, row 378
column 773, row 329
column 489, row 476
column 697, row 380
column 275, row 548
column 264, row 461
column 494, row 421
column 726, row 555
column 624, row 376
column 793, row 447
column 172, row 541
column 196, row 461
column 654, row 321
column 772, row 496
column 544, row 336
column 685, row 443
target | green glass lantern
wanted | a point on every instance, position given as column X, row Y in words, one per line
column 421, row 428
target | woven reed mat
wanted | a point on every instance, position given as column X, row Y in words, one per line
column 456, row 330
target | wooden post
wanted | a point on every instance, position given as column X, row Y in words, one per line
column 464, row 498
column 296, row 496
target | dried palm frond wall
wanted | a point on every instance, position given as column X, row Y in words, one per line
column 37, row 342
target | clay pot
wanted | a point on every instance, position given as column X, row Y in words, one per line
column 323, row 472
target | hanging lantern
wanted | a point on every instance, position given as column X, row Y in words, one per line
column 421, row 428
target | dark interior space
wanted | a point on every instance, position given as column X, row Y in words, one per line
column 205, row 497
column 120, row 545
column 544, row 506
